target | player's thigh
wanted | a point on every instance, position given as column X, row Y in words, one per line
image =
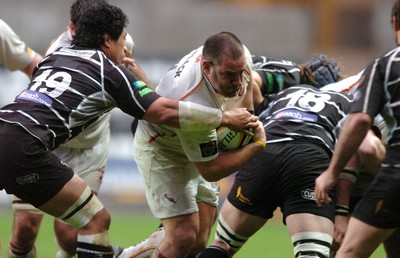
column 19, row 205
column 362, row 239
column 307, row 222
column 65, row 198
column 171, row 182
column 240, row 222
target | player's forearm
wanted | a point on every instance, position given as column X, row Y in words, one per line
column 350, row 138
column 342, row 196
column 187, row 116
column 228, row 162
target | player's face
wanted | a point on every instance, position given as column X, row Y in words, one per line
column 227, row 77
column 116, row 49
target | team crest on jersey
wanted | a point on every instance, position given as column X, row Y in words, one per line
column 208, row 149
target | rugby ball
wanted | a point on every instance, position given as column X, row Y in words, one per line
column 230, row 140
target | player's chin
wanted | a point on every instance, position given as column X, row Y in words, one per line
column 231, row 94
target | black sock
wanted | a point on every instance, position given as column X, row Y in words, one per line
column 86, row 250
column 213, row 252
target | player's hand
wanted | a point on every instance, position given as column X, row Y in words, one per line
column 240, row 120
column 259, row 133
column 129, row 62
column 325, row 182
column 340, row 230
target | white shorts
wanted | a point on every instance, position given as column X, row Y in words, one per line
column 89, row 164
column 173, row 185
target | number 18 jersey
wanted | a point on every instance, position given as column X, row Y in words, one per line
column 306, row 113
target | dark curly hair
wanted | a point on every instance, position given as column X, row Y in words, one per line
column 97, row 22
column 80, row 7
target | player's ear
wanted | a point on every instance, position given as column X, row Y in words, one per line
column 72, row 28
column 395, row 23
column 106, row 40
column 206, row 65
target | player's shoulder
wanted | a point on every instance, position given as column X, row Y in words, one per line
column 63, row 40
column 4, row 28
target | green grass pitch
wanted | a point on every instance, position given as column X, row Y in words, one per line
column 131, row 226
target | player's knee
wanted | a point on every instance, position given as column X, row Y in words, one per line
column 87, row 212
column 185, row 242
column 225, row 234
column 181, row 239
column 66, row 238
column 25, row 229
column 311, row 244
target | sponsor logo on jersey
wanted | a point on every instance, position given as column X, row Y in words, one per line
column 145, row 91
column 380, row 208
column 180, row 68
column 208, row 149
column 28, row 179
column 308, row 194
column 139, row 84
column 35, row 97
column 241, row 197
column 296, row 114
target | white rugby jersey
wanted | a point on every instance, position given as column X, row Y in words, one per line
column 347, row 85
column 14, row 53
column 185, row 81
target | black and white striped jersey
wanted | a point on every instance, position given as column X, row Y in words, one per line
column 70, row 89
column 304, row 113
column 276, row 74
column 379, row 93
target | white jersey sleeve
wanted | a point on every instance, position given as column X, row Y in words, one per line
column 14, row 53
column 64, row 40
column 347, row 85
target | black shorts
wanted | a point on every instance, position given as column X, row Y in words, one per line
column 283, row 175
column 380, row 205
column 27, row 169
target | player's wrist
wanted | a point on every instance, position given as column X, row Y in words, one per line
column 342, row 210
column 260, row 143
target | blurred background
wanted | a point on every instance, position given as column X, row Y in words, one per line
column 354, row 32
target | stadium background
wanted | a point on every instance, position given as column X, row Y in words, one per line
column 355, row 32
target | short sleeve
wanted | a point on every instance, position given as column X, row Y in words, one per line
column 14, row 54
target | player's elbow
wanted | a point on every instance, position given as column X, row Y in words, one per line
column 208, row 172
column 210, row 176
